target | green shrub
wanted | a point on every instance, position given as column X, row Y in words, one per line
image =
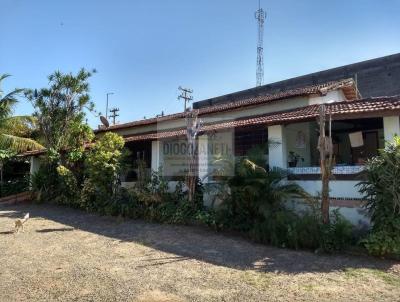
column 336, row 235
column 255, row 193
column 45, row 183
column 15, row 186
column 67, row 186
column 278, row 228
column 256, row 206
column 284, row 228
column 381, row 243
column 103, row 167
column 382, row 192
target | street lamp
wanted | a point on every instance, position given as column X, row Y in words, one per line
column 108, row 93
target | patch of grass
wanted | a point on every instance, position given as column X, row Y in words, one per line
column 364, row 273
column 388, row 278
column 256, row 279
column 309, row 287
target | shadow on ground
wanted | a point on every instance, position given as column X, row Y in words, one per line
column 7, row 233
column 55, row 230
column 195, row 243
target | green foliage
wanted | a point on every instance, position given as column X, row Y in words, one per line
column 45, row 183
column 156, row 202
column 381, row 189
column 153, row 202
column 254, row 193
column 14, row 130
column 59, row 110
column 103, row 167
column 80, row 136
column 55, row 185
column 256, row 206
column 15, row 186
column 381, row 243
column 67, row 186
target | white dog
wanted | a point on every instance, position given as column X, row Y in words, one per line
column 19, row 223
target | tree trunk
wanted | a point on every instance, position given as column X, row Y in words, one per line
column 193, row 126
column 325, row 199
column 325, row 148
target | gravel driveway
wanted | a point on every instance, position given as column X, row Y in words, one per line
column 68, row 255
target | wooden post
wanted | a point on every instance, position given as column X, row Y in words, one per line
column 193, row 126
column 325, row 147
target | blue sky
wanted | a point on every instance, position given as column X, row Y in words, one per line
column 143, row 50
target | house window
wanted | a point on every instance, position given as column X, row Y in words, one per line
column 247, row 138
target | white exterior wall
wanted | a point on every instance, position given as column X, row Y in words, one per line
column 203, row 158
column 34, row 167
column 331, row 96
column 346, row 189
column 338, row 188
column 291, row 131
column 391, row 127
column 35, row 164
column 356, row 216
column 277, row 148
column 274, row 106
column 156, row 155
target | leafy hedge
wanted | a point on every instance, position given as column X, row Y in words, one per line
column 256, row 206
column 253, row 205
column 382, row 192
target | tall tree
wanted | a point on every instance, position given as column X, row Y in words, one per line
column 12, row 127
column 59, row 110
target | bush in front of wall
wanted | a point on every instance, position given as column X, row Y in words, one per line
column 156, row 202
column 46, row 183
column 381, row 189
column 67, row 186
column 102, row 167
column 284, row 228
column 256, row 206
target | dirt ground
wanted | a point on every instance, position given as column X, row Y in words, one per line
column 68, row 255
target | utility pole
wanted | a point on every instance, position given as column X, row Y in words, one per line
column 185, row 95
column 108, row 93
column 114, row 114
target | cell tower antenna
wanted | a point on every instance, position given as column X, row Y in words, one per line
column 260, row 16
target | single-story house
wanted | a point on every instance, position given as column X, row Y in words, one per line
column 283, row 126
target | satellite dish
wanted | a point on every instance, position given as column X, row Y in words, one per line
column 104, row 121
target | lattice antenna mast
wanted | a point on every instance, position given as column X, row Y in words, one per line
column 260, row 16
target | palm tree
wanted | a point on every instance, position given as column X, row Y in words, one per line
column 11, row 128
column 9, row 138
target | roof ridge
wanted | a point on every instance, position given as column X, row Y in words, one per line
column 306, row 90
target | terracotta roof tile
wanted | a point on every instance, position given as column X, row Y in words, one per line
column 347, row 85
column 340, row 110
